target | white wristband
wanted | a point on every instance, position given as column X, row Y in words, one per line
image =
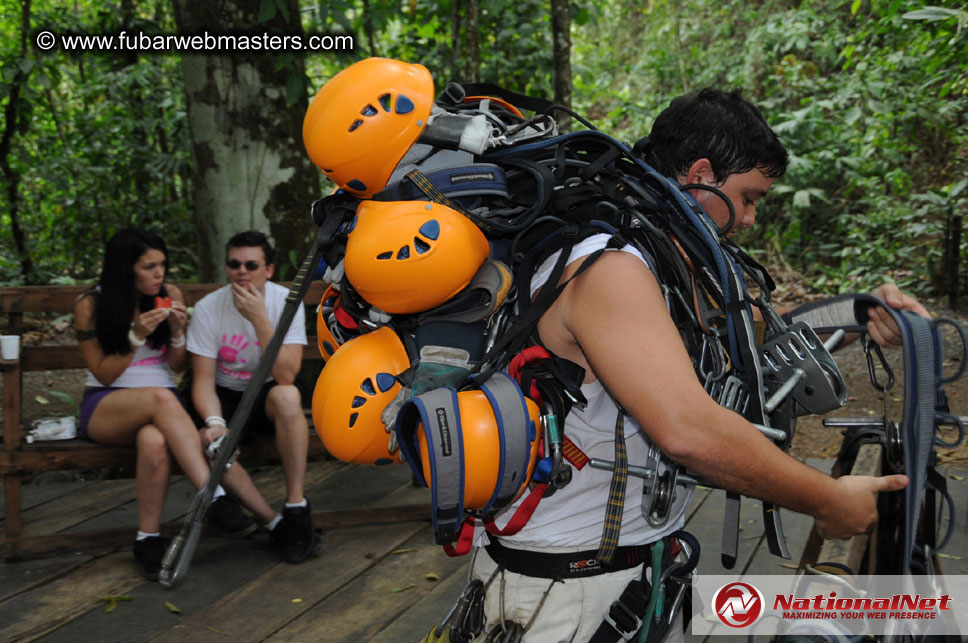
column 178, row 342
column 217, row 420
column 134, row 339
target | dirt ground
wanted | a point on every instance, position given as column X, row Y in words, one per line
column 47, row 393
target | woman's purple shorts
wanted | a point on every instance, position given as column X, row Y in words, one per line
column 92, row 397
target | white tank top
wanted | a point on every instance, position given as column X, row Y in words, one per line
column 574, row 516
column 148, row 367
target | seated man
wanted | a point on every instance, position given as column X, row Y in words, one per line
column 229, row 328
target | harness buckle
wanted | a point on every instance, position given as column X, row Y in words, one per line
column 622, row 607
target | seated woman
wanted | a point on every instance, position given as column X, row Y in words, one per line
column 131, row 331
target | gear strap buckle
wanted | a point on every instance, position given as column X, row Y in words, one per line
column 626, row 615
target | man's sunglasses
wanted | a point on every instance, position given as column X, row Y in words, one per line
column 235, row 264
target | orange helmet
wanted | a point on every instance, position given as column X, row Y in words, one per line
column 334, row 327
column 476, row 449
column 410, row 256
column 482, row 441
column 354, row 387
column 364, row 119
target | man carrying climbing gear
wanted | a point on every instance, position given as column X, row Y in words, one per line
column 564, row 390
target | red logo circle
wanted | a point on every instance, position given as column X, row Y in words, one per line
column 738, row 604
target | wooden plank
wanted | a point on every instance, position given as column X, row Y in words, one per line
column 60, row 299
column 414, row 623
column 27, row 575
column 32, row 614
column 35, row 495
column 376, row 597
column 274, row 599
column 53, row 517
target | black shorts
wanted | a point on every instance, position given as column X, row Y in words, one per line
column 258, row 422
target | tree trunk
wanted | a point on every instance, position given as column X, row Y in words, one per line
column 472, row 73
column 250, row 168
column 11, row 176
column 561, row 53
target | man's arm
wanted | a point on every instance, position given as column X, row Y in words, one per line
column 617, row 315
column 204, row 398
column 251, row 304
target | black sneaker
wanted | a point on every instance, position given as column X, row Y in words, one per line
column 227, row 516
column 148, row 553
column 295, row 537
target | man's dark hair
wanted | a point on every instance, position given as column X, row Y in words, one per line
column 722, row 126
column 251, row 239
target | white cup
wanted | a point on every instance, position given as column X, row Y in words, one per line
column 10, row 346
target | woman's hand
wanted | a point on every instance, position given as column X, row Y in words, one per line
column 147, row 322
column 178, row 318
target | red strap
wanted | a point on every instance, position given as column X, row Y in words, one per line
column 575, row 456
column 521, row 516
column 526, row 356
column 465, row 539
column 344, row 318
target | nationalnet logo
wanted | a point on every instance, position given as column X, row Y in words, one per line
column 738, row 604
column 874, row 605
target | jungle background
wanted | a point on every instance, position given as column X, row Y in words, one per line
column 870, row 97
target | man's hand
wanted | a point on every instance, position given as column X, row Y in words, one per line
column 881, row 326
column 855, row 509
column 250, row 302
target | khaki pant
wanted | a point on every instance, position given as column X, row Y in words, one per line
column 571, row 612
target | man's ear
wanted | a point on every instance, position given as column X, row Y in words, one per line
column 270, row 270
column 701, row 171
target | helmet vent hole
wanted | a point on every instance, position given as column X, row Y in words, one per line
column 420, row 246
column 355, row 124
column 383, row 256
column 430, row 229
column 358, row 401
column 353, row 418
column 404, row 253
column 385, row 382
column 367, row 387
column 404, row 105
column 369, row 110
column 357, row 185
column 385, row 102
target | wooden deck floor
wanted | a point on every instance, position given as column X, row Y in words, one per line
column 375, row 582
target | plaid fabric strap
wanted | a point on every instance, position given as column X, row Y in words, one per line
column 424, row 184
column 616, row 494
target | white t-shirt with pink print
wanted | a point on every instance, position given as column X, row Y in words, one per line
column 218, row 330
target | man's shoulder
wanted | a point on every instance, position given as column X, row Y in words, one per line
column 212, row 298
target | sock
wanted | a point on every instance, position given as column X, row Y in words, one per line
column 143, row 534
column 302, row 503
column 275, row 521
column 219, row 492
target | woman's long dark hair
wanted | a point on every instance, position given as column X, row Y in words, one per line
column 117, row 294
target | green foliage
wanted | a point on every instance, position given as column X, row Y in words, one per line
column 870, row 101
column 103, row 144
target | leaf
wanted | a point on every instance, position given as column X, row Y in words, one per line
column 801, row 198
column 40, row 399
column 931, row 14
column 956, row 477
column 397, row 590
column 216, row 631
column 951, row 556
column 267, row 10
column 431, row 576
column 296, row 600
column 172, row 608
column 397, row 552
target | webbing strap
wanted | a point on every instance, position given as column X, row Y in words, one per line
column 438, row 412
column 616, row 494
column 513, row 424
column 454, row 182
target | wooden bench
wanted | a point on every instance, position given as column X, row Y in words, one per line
column 20, row 460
